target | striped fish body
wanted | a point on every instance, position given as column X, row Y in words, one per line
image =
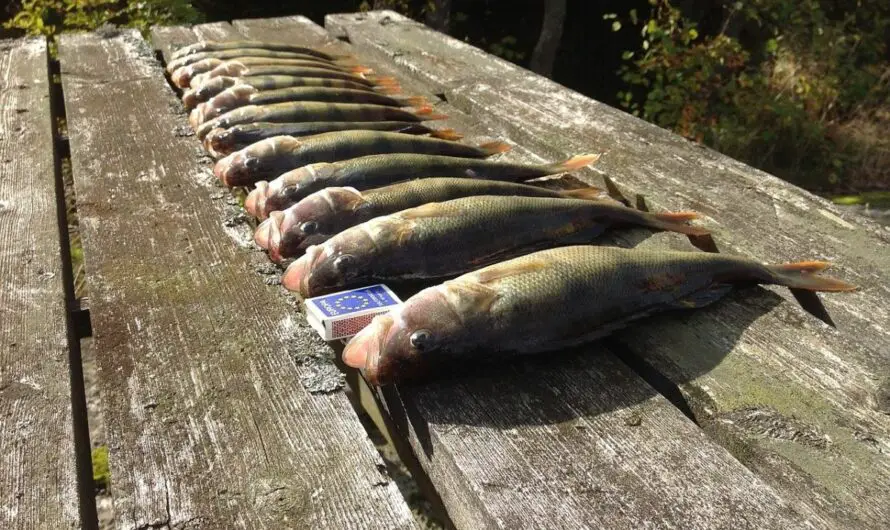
column 551, row 300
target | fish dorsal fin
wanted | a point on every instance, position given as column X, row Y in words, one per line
column 509, row 269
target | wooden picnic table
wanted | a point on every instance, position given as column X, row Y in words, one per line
column 224, row 409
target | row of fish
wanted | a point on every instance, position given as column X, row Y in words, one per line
column 353, row 186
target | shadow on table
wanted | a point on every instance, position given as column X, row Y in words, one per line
column 582, row 382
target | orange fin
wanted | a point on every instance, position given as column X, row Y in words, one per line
column 446, row 134
column 491, row 148
column 511, row 268
column 359, row 69
column 430, row 209
column 576, row 162
column 426, row 112
column 417, row 101
column 804, row 266
column 674, row 222
column 589, row 193
column 801, row 275
column 385, row 80
column 389, row 90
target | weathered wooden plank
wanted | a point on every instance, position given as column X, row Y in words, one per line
column 557, row 444
column 802, row 404
column 37, row 459
column 204, row 368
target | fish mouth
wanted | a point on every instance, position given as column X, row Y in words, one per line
column 296, row 277
column 253, row 202
column 234, row 170
column 267, row 232
column 219, row 140
column 190, row 99
column 364, row 349
column 196, row 116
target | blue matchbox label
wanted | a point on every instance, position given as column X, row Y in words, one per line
column 354, row 301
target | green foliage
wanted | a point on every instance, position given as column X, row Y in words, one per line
column 777, row 86
column 101, row 473
column 49, row 17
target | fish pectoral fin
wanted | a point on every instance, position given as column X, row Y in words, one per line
column 430, row 209
column 510, row 269
column 701, row 298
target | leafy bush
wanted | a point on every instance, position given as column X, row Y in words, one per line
column 49, row 17
column 779, row 85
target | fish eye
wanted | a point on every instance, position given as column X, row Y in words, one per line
column 421, row 340
column 309, row 227
column 343, row 262
column 251, row 163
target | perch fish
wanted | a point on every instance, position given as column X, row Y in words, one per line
column 553, row 299
column 211, row 87
column 443, row 239
column 242, row 95
column 381, row 170
column 330, row 211
column 220, row 142
column 184, row 76
column 305, row 111
column 274, row 156
column 211, row 46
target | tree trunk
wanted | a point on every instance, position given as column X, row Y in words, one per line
column 438, row 15
column 551, row 33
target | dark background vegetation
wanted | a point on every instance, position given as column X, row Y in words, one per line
column 799, row 88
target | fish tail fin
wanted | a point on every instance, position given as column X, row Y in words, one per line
column 676, row 222
column 576, row 162
column 446, row 134
column 343, row 58
column 803, row 275
column 426, row 112
column 493, row 148
column 589, row 193
column 359, row 69
column 417, row 101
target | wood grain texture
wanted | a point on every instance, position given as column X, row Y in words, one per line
column 37, row 466
column 560, row 444
column 803, row 405
column 200, row 361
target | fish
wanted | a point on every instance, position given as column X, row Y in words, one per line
column 276, row 155
column 551, row 300
column 444, row 239
column 220, row 142
column 239, row 69
column 224, row 55
column 380, row 170
column 330, row 211
column 304, row 111
column 184, row 75
column 243, row 95
column 211, row 87
column 212, row 46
